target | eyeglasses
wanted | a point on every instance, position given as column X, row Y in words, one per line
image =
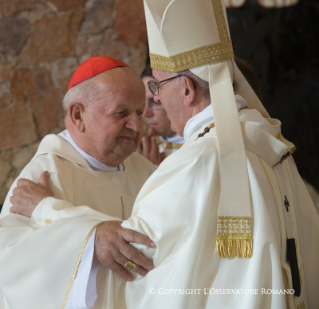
column 154, row 105
column 153, row 86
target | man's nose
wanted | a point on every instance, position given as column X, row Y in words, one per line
column 135, row 123
column 148, row 112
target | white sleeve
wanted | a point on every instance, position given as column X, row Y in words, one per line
column 51, row 209
column 83, row 293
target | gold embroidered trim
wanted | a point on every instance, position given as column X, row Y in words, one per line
column 288, row 154
column 193, row 58
column 77, row 264
column 220, row 20
column 206, row 130
column 234, row 237
column 166, row 145
column 123, row 217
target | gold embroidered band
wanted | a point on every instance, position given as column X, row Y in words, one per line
column 286, row 156
column 193, row 58
column 220, row 20
column 234, row 237
column 78, row 263
column 166, row 145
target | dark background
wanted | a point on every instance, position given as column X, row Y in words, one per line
column 282, row 45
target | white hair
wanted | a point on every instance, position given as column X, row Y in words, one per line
column 84, row 93
column 199, row 82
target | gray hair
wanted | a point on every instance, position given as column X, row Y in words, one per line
column 199, row 82
column 83, row 93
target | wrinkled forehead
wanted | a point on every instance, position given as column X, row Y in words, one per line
column 110, row 93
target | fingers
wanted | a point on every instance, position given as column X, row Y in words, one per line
column 151, row 132
column 146, row 146
column 113, row 251
column 122, row 259
column 121, row 271
column 136, row 237
column 12, row 209
column 22, row 182
column 154, row 152
column 138, row 258
column 139, row 150
column 44, row 179
column 162, row 156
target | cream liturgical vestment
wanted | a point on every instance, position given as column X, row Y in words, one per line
column 177, row 208
column 39, row 261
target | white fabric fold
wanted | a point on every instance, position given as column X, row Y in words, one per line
column 174, row 139
column 83, row 294
column 206, row 116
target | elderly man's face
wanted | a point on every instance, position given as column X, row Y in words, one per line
column 113, row 121
column 156, row 118
column 169, row 96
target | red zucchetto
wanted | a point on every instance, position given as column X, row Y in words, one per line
column 92, row 67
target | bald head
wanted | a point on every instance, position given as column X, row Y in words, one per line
column 104, row 114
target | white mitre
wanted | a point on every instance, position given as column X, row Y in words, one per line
column 194, row 34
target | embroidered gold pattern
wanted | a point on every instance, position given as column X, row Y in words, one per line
column 220, row 20
column 206, row 130
column 166, row 145
column 234, row 237
column 284, row 157
column 77, row 264
column 199, row 56
column 193, row 58
column 123, row 217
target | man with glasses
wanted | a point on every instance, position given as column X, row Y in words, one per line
column 158, row 125
column 233, row 223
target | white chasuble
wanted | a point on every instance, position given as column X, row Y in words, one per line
column 39, row 258
column 177, row 209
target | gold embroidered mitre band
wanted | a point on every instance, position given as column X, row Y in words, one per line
column 193, row 58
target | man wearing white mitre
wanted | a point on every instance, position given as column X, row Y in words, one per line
column 229, row 209
column 93, row 162
column 233, row 223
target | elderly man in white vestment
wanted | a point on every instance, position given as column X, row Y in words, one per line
column 233, row 223
column 92, row 163
column 232, row 220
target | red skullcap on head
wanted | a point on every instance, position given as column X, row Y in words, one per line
column 92, row 67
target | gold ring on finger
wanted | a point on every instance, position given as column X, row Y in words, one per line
column 130, row 265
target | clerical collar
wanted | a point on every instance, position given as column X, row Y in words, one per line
column 94, row 164
column 174, row 139
column 206, row 117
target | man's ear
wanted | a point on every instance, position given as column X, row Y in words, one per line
column 188, row 91
column 76, row 113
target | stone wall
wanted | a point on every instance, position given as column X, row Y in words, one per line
column 41, row 44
